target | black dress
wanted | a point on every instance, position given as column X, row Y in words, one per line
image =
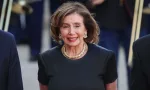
column 91, row 72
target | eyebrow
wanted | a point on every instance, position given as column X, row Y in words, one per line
column 73, row 23
column 77, row 23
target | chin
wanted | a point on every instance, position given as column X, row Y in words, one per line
column 72, row 44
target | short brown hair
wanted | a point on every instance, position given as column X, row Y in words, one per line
column 74, row 7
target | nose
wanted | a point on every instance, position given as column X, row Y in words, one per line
column 72, row 30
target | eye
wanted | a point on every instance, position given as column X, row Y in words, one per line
column 65, row 26
column 77, row 26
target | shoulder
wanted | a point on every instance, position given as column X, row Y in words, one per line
column 142, row 43
column 7, row 45
column 7, row 41
column 51, row 53
column 6, row 36
column 141, row 49
column 100, row 51
column 50, row 56
column 102, row 55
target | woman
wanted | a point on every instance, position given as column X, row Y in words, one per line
column 78, row 63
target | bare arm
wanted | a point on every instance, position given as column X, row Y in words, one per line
column 43, row 87
column 112, row 86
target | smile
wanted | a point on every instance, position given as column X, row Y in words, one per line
column 72, row 39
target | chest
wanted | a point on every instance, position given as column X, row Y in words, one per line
column 85, row 69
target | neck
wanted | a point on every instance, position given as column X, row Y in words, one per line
column 74, row 50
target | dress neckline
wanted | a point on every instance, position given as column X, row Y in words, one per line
column 77, row 60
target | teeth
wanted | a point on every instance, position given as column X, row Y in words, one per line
column 72, row 38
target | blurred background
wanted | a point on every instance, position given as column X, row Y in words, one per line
column 30, row 24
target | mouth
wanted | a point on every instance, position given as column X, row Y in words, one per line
column 72, row 39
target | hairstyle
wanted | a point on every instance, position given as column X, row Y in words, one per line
column 74, row 7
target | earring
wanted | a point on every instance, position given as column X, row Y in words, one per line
column 85, row 35
column 59, row 36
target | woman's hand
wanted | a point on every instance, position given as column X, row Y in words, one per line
column 43, row 87
column 112, row 86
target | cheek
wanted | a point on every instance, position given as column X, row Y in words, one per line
column 64, row 36
column 82, row 33
column 63, row 33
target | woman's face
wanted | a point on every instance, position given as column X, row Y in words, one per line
column 73, row 30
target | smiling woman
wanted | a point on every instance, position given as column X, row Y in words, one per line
column 82, row 13
column 79, row 63
column 73, row 30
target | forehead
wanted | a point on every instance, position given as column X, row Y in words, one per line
column 73, row 18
